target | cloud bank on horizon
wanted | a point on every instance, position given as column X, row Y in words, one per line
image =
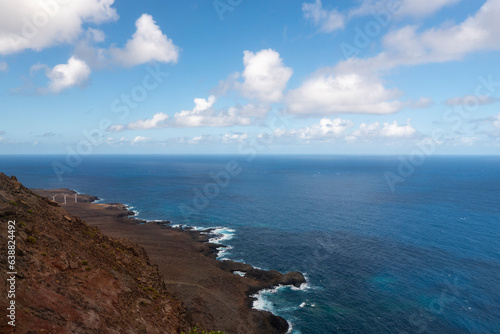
column 368, row 76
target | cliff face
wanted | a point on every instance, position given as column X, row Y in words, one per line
column 70, row 278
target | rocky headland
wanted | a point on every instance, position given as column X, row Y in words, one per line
column 85, row 267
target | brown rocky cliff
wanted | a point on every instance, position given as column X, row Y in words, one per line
column 73, row 279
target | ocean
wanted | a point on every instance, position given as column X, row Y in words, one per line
column 417, row 255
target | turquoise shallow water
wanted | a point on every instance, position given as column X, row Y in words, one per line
column 422, row 259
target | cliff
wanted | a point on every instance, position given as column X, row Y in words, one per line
column 70, row 278
column 83, row 267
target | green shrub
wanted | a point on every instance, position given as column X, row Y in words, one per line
column 32, row 239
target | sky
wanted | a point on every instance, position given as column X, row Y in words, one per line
column 408, row 77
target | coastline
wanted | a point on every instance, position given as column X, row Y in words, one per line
column 216, row 294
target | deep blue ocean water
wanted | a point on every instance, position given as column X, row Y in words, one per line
column 422, row 259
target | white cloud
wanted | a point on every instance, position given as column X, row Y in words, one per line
column 469, row 141
column 386, row 130
column 203, row 114
column 400, row 8
column 158, row 121
column 367, row 130
column 470, row 100
column 95, row 35
column 333, row 129
column 265, row 76
column 250, row 110
column 326, row 93
column 395, row 130
column 386, row 10
column 230, row 138
column 3, row 66
column 139, row 140
column 117, row 142
column 37, row 67
column 116, row 128
column 36, row 25
column 408, row 46
column 420, row 8
column 326, row 129
column 423, row 102
column 64, row 76
column 327, row 21
column 147, row 44
column 496, row 122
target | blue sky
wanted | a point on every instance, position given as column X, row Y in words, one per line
column 234, row 76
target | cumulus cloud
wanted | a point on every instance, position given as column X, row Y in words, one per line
column 3, row 66
column 231, row 138
column 63, row 76
column 140, row 139
column 147, row 44
column 36, row 25
column 326, row 93
column 410, row 46
column 386, row 130
column 470, row 100
column 326, row 129
column 327, row 20
column 354, row 85
column 95, row 35
column 395, row 130
column 265, row 76
column 159, row 120
column 203, row 114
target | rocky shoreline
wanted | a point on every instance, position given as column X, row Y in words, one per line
column 216, row 294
